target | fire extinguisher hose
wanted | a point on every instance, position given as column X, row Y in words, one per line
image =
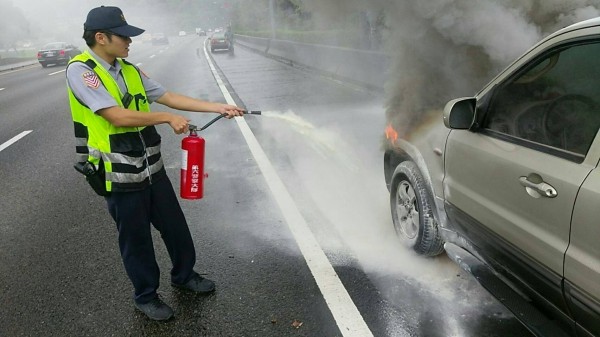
column 193, row 127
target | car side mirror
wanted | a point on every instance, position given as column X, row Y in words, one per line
column 460, row 113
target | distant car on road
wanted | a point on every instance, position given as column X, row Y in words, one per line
column 182, row 33
column 159, row 38
column 221, row 40
column 56, row 53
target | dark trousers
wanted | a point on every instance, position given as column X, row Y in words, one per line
column 133, row 213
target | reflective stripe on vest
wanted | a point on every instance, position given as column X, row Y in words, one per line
column 135, row 177
column 130, row 155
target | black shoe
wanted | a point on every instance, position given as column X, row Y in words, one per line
column 197, row 284
column 156, row 310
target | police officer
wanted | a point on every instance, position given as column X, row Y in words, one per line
column 116, row 137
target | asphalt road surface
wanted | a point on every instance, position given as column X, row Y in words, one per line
column 294, row 227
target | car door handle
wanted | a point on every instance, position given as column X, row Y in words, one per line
column 543, row 189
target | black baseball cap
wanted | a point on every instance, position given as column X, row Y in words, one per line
column 111, row 19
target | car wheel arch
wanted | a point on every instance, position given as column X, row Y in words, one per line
column 408, row 152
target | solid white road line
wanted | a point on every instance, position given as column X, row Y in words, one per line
column 348, row 318
column 2, row 89
column 14, row 139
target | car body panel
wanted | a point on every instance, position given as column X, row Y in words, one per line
column 532, row 279
column 582, row 261
column 482, row 179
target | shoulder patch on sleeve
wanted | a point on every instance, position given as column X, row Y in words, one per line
column 91, row 79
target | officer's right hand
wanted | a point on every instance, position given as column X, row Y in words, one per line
column 179, row 124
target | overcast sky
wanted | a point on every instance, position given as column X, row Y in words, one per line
column 63, row 19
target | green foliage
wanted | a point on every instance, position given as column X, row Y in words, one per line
column 293, row 22
column 19, row 55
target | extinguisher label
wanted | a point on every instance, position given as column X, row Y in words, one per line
column 184, row 157
column 195, row 178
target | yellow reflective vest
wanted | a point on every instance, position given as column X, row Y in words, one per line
column 130, row 156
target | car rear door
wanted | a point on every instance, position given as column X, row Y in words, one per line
column 582, row 262
column 511, row 184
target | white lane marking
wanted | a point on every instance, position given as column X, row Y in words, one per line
column 2, row 89
column 14, row 139
column 139, row 64
column 57, row 72
column 152, row 56
column 347, row 317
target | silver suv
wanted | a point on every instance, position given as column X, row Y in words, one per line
column 510, row 187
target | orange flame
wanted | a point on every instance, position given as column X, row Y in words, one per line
column 391, row 134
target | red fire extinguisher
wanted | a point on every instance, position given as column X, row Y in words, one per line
column 192, row 166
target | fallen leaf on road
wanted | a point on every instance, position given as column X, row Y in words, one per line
column 296, row 324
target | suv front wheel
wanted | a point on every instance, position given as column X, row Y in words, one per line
column 412, row 211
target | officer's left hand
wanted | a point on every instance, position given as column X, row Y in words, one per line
column 178, row 123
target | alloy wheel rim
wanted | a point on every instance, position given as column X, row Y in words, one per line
column 406, row 210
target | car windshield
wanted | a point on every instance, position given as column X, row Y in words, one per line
column 54, row 45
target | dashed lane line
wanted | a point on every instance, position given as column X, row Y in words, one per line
column 57, row 72
column 346, row 314
column 14, row 139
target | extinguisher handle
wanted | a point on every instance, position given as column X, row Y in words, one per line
column 193, row 127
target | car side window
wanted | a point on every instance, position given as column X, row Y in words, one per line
column 553, row 102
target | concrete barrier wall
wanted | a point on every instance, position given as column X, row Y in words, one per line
column 363, row 67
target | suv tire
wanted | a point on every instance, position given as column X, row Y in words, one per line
column 412, row 211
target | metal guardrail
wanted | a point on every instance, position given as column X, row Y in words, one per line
column 17, row 65
column 362, row 67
